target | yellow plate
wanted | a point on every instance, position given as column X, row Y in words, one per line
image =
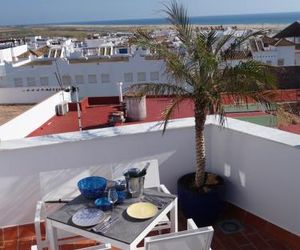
column 142, row 210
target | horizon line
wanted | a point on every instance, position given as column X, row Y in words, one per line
column 148, row 18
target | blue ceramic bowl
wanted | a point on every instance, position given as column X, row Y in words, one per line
column 92, row 187
column 103, row 203
column 122, row 195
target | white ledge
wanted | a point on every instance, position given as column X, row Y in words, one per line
column 233, row 124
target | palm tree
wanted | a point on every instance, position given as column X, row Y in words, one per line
column 200, row 70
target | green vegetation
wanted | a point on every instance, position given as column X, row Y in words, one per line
column 264, row 120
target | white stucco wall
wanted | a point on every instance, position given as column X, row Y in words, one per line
column 260, row 164
column 297, row 58
column 9, row 53
column 288, row 54
column 57, row 162
column 115, row 70
column 261, row 167
column 32, row 119
column 26, row 95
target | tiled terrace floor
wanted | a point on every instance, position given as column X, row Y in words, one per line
column 254, row 236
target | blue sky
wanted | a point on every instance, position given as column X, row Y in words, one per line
column 45, row 11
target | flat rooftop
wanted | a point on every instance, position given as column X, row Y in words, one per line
column 96, row 115
column 8, row 112
column 96, row 111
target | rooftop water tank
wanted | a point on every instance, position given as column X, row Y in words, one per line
column 136, row 107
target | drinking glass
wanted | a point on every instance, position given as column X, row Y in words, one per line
column 136, row 187
column 112, row 196
column 132, row 186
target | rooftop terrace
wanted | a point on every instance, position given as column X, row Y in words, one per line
column 96, row 110
column 250, row 158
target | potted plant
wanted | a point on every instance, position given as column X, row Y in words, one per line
column 201, row 70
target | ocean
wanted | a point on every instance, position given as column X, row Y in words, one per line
column 268, row 18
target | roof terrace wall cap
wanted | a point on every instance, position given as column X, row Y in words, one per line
column 246, row 128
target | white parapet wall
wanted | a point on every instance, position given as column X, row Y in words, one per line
column 260, row 165
column 30, row 120
column 26, row 95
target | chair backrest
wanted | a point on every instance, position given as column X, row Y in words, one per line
column 152, row 178
column 62, row 184
column 191, row 239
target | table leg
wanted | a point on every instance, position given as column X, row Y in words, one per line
column 174, row 217
column 52, row 235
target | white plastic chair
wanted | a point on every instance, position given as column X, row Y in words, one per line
column 190, row 239
column 63, row 188
column 99, row 247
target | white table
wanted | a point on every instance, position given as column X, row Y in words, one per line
column 59, row 220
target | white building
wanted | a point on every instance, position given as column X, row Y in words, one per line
column 276, row 52
column 292, row 33
column 11, row 49
column 94, row 75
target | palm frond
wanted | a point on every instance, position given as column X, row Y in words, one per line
column 176, row 66
column 155, row 89
column 177, row 15
column 222, row 42
column 248, row 82
column 241, row 40
column 169, row 110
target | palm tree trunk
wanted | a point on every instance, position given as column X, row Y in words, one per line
column 200, row 117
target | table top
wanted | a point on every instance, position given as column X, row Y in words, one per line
column 127, row 229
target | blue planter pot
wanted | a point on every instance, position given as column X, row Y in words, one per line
column 203, row 206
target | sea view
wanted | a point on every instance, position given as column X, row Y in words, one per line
column 263, row 18
column 150, row 125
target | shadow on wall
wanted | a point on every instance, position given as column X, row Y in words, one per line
column 17, row 198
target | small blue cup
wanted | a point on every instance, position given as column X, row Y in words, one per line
column 103, row 204
column 122, row 195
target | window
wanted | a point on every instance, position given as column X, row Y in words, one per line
column 154, row 76
column 66, row 80
column 44, row 81
column 108, row 51
column 105, row 78
column 79, row 79
column 269, row 62
column 123, row 51
column 141, row 76
column 280, row 62
column 92, row 79
column 18, row 82
column 128, row 77
column 102, row 51
column 31, row 81
column 2, row 81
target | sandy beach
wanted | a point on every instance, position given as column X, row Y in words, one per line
column 81, row 31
